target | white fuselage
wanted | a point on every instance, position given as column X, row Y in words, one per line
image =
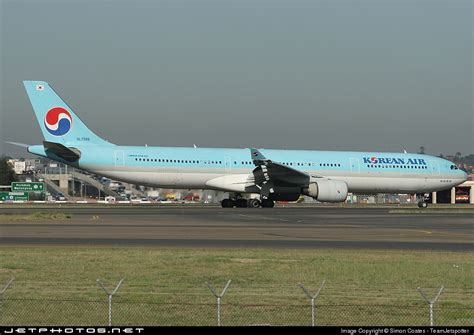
column 231, row 169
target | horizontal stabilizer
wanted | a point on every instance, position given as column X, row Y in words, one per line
column 68, row 154
column 18, row 144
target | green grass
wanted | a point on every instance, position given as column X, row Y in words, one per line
column 38, row 216
column 167, row 285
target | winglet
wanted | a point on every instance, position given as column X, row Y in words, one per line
column 257, row 156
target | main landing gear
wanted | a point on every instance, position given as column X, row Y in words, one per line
column 267, row 203
column 230, row 203
column 250, row 203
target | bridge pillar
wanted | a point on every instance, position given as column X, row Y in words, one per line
column 434, row 198
column 453, row 195
column 64, row 183
column 471, row 195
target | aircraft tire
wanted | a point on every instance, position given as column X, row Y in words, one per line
column 241, row 203
column 227, row 203
column 267, row 203
column 253, row 203
column 422, row 204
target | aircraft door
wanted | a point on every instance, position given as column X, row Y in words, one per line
column 434, row 167
column 227, row 163
column 355, row 165
column 119, row 158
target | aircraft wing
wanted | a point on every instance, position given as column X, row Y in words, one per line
column 267, row 171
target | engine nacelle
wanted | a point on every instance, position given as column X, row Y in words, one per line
column 327, row 190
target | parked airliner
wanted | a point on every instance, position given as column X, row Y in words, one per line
column 327, row 176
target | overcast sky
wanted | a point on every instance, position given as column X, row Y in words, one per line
column 374, row 75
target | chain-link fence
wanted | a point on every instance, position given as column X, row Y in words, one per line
column 240, row 309
column 85, row 312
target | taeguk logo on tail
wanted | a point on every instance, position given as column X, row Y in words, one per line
column 58, row 121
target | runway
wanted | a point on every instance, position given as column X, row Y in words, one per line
column 315, row 227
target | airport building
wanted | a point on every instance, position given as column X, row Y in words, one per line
column 463, row 193
column 25, row 166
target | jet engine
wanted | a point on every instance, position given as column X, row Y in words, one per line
column 327, row 190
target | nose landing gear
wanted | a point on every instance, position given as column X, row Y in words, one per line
column 422, row 200
column 422, row 204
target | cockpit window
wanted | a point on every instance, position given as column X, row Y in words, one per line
column 454, row 167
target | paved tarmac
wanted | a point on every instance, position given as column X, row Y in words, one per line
column 298, row 227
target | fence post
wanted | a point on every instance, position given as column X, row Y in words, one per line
column 218, row 297
column 312, row 298
column 110, row 295
column 431, row 302
column 1, row 295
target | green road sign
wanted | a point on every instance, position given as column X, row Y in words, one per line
column 28, row 187
column 14, row 196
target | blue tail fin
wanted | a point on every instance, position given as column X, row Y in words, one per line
column 57, row 121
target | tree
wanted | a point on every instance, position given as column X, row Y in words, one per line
column 469, row 159
column 457, row 156
column 422, row 150
column 7, row 174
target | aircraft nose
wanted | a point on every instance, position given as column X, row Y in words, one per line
column 465, row 176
